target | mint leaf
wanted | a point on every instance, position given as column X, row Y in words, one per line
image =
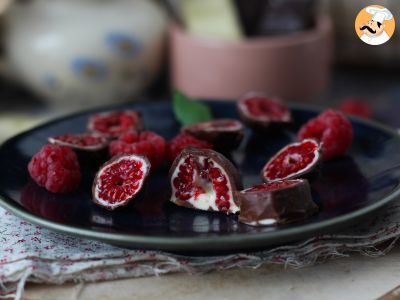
column 188, row 111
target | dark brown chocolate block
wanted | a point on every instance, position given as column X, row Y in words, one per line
column 224, row 134
column 275, row 203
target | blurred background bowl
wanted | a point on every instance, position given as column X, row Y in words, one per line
column 293, row 66
column 84, row 53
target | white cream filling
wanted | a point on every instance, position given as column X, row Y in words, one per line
column 204, row 201
column 144, row 168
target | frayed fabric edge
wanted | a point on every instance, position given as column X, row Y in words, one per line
column 232, row 261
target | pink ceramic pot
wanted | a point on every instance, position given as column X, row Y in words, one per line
column 293, row 67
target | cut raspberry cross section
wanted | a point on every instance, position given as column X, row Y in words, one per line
column 259, row 111
column 114, row 123
column 119, row 180
column 293, row 161
column 204, row 179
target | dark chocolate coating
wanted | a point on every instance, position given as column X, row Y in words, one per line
column 92, row 158
column 264, row 126
column 233, row 174
column 124, row 203
column 221, row 140
column 285, row 205
column 86, row 157
column 261, row 125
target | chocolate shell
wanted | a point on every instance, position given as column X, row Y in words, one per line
column 276, row 203
column 96, row 198
column 265, row 121
column 295, row 160
column 224, row 134
column 113, row 125
column 88, row 155
column 208, row 195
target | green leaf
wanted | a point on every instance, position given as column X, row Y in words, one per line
column 188, row 111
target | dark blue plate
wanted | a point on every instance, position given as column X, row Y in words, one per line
column 346, row 189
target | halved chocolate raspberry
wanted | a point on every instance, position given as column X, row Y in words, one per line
column 88, row 146
column 293, row 161
column 259, row 111
column 204, row 179
column 277, row 202
column 113, row 124
column 119, row 180
column 224, row 134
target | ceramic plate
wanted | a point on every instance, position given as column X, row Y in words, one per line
column 346, row 189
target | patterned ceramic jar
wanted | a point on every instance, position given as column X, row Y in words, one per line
column 89, row 52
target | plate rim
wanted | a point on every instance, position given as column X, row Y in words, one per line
column 227, row 242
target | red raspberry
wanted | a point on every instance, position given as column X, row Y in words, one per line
column 332, row 129
column 146, row 143
column 55, row 168
column 181, row 141
column 355, row 107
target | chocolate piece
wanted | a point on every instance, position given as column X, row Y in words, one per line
column 274, row 203
column 91, row 149
column 224, row 134
column 263, row 113
column 120, row 180
column 204, row 179
column 293, row 161
column 112, row 124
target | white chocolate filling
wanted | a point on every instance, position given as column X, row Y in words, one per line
column 206, row 200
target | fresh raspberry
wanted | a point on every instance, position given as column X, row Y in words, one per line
column 331, row 128
column 355, row 107
column 146, row 143
column 55, row 168
column 181, row 141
